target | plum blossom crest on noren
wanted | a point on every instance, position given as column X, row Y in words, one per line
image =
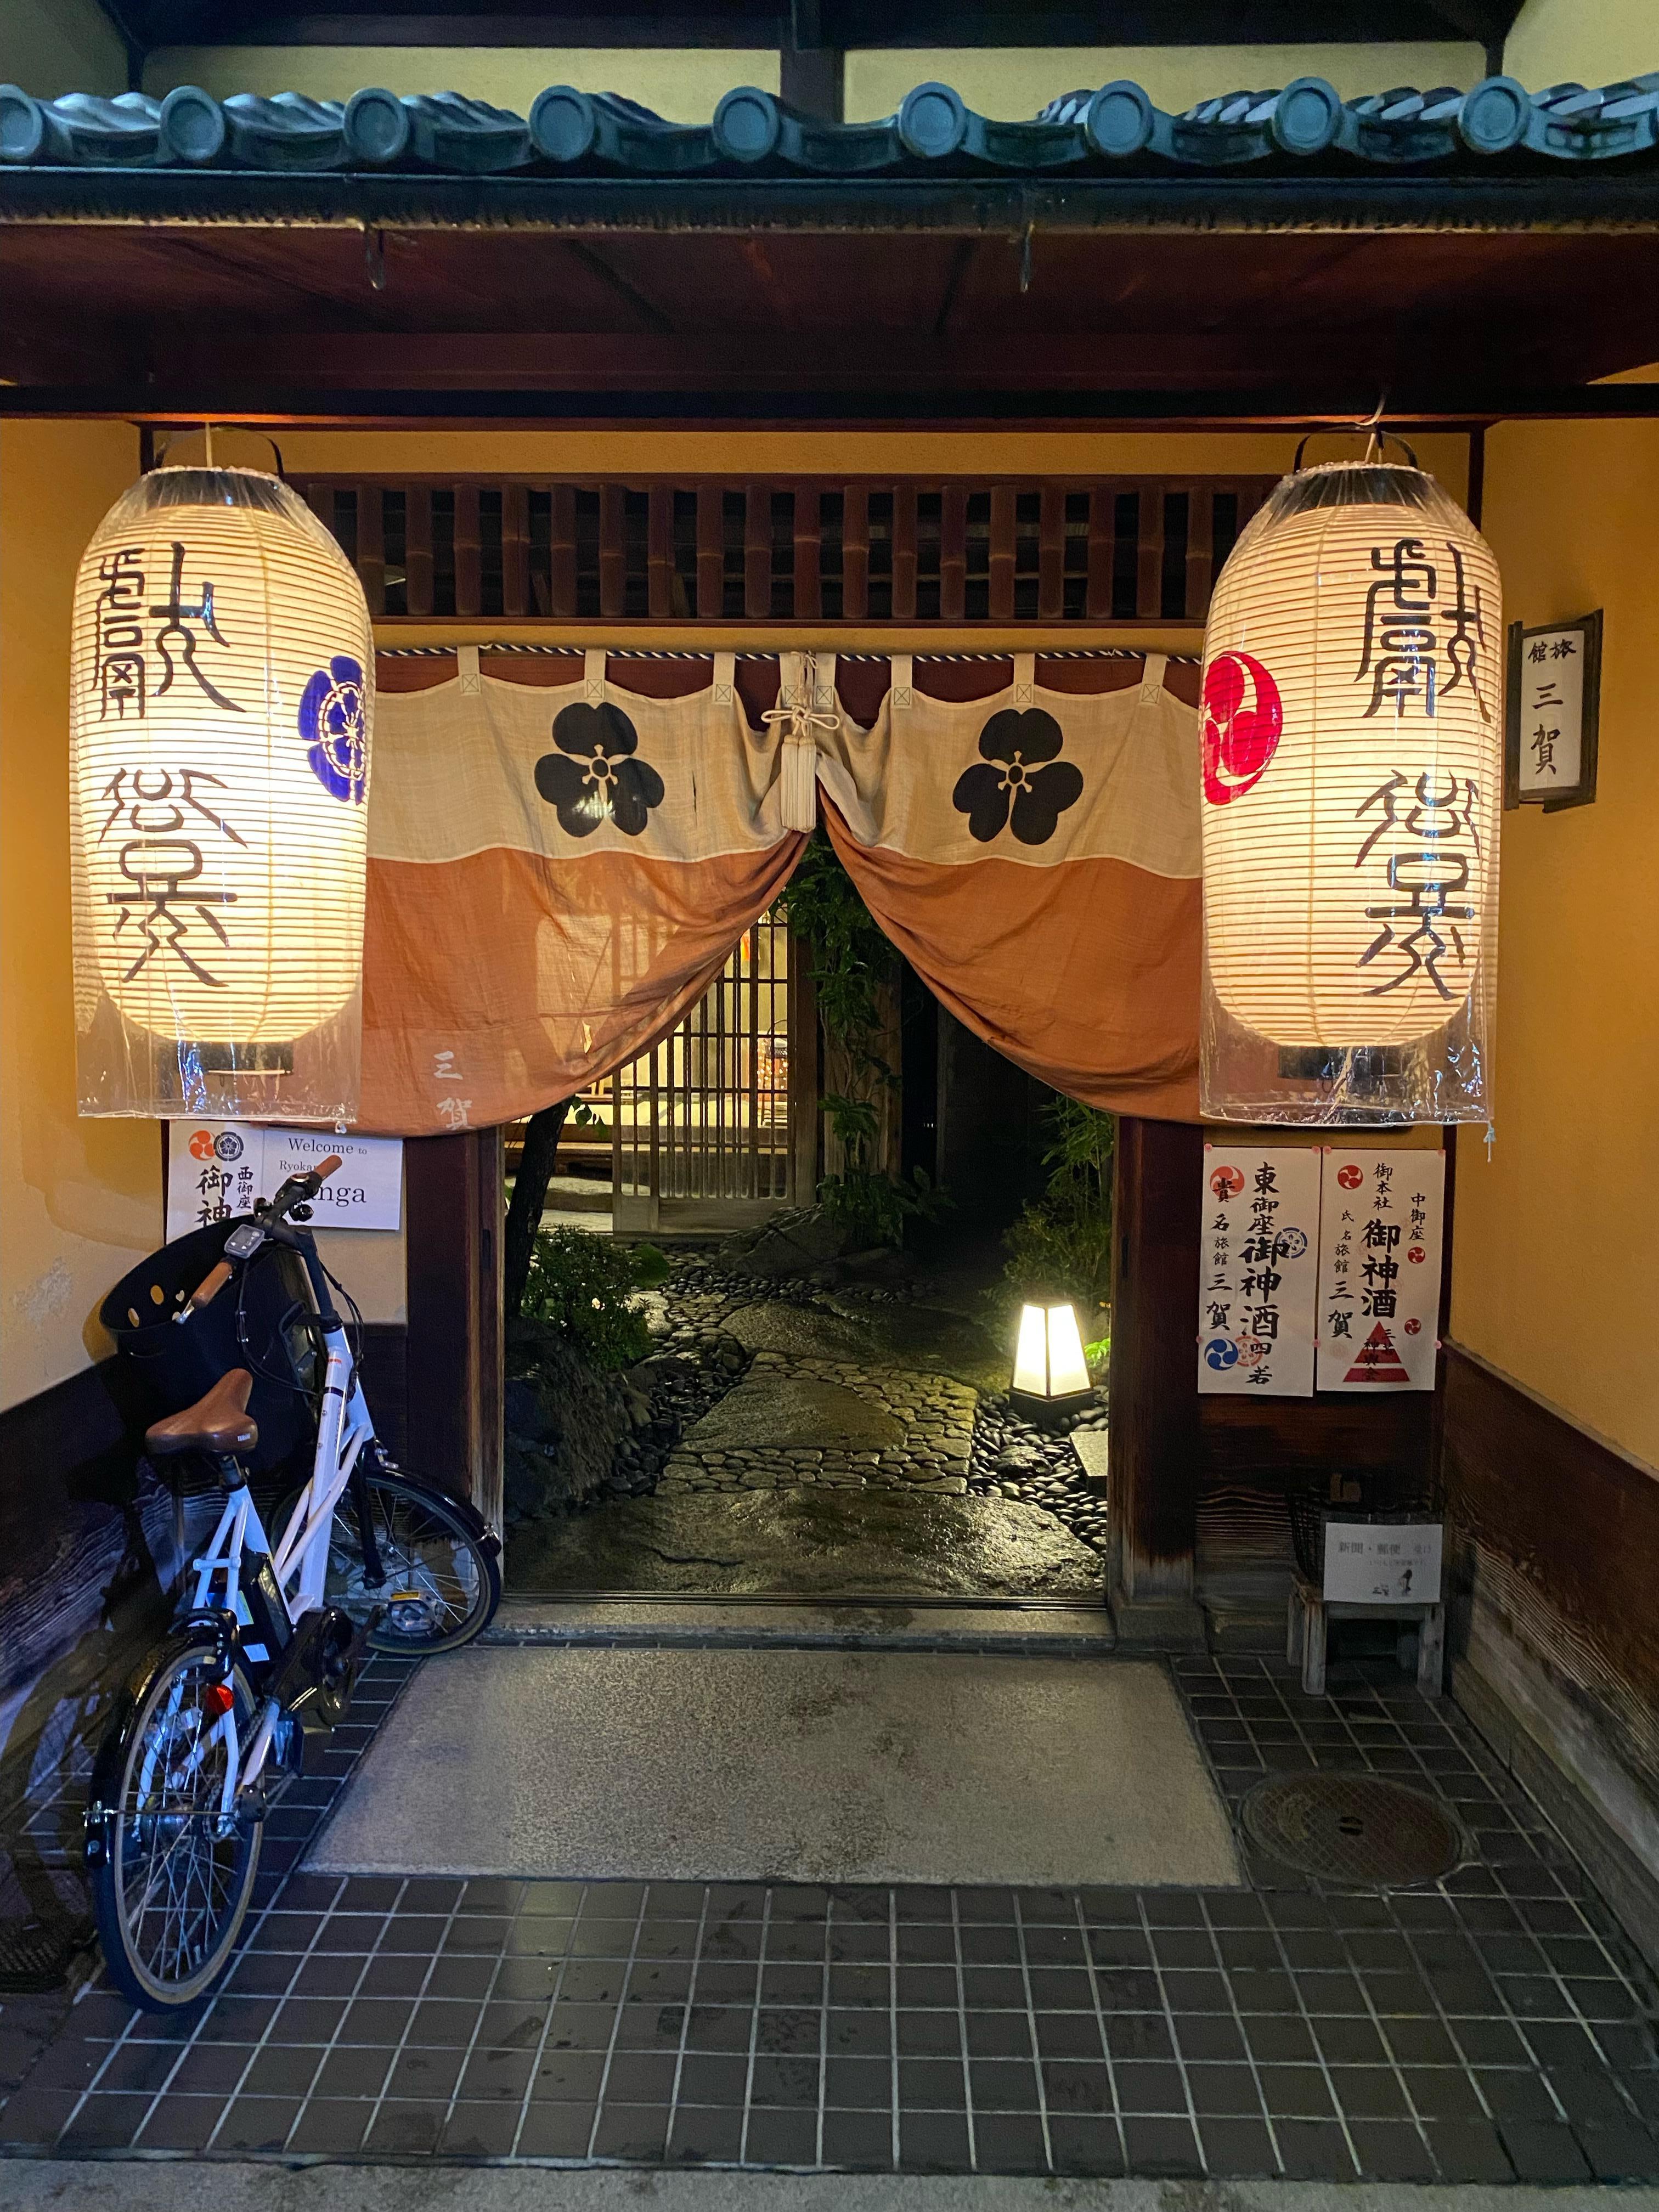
column 596, row 775
column 1019, row 780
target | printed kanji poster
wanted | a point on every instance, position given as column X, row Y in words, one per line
column 1379, row 1268
column 1258, row 1270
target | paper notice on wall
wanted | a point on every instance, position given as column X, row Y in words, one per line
column 1258, row 1271
column 1379, row 1268
column 216, row 1170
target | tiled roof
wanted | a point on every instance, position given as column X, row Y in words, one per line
column 567, row 131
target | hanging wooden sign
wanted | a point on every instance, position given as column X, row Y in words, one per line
column 1553, row 718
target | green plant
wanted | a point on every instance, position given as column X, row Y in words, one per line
column 851, row 958
column 852, row 961
column 650, row 1266
column 873, row 1209
column 1062, row 1243
column 581, row 1284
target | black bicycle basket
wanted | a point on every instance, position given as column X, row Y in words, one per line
column 261, row 1320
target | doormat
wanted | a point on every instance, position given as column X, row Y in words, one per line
column 809, row 1767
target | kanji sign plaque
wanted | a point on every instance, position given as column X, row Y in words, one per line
column 1553, row 719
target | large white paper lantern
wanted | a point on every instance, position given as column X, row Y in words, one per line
column 1353, row 765
column 222, row 708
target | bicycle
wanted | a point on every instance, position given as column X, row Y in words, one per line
column 213, row 1724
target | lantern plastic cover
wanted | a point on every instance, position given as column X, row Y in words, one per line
column 221, row 716
column 1352, row 761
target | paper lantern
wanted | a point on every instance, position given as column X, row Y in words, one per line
column 1049, row 1366
column 221, row 706
column 1352, row 769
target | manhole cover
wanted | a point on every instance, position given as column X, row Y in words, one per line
column 1353, row 1828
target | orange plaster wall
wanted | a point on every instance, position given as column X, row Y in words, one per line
column 1554, row 1233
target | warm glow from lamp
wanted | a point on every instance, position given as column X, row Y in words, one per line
column 1048, row 1358
column 221, row 706
column 1352, row 766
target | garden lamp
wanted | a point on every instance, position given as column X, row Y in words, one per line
column 1050, row 1370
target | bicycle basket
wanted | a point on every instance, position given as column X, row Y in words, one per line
column 178, row 1361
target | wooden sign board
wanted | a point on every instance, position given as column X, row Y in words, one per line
column 1553, row 714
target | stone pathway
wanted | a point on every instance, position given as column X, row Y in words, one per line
column 795, row 1419
column 841, row 1390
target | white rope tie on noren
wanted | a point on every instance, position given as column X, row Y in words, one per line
column 799, row 723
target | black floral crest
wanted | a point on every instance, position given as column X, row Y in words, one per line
column 594, row 776
column 1019, row 774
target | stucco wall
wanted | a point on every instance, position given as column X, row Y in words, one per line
column 685, row 84
column 1591, row 41
column 1013, row 82
column 1553, row 1231
column 50, row 47
column 80, row 1202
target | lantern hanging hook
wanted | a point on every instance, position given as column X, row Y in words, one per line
column 1376, row 437
column 167, row 445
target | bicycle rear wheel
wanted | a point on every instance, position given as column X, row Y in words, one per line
column 442, row 1581
column 172, row 1865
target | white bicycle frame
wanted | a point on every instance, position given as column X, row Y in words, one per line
column 300, row 1564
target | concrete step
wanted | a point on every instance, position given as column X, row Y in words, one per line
column 1045, row 1631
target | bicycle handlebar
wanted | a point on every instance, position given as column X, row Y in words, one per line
column 297, row 1188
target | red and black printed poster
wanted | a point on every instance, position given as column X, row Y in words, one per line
column 1379, row 1268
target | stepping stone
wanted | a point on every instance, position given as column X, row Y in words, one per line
column 777, row 1412
column 933, row 1340
column 802, row 1331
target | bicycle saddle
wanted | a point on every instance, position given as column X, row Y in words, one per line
column 220, row 1422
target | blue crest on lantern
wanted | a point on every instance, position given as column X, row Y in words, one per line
column 334, row 723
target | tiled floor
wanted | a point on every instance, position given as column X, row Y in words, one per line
column 1492, row 2027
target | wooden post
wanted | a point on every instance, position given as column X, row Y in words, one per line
column 1152, row 1468
column 453, row 1207
column 804, row 1099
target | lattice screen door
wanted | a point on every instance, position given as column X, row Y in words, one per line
column 709, row 1115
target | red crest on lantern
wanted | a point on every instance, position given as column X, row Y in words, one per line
column 1243, row 721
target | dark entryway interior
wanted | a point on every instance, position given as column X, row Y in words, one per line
column 811, row 1418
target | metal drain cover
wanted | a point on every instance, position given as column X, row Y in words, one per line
column 1353, row 1828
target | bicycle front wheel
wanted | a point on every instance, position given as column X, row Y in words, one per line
column 442, row 1582
column 171, row 1880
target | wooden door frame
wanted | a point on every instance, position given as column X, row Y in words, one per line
column 1153, row 1441
column 456, row 1333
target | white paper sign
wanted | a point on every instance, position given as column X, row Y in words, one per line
column 1258, row 1271
column 1379, row 1268
column 1383, row 1563
column 217, row 1169
column 1551, row 753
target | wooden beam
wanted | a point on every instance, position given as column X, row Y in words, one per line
column 1153, row 1468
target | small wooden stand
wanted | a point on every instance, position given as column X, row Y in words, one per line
column 1310, row 1611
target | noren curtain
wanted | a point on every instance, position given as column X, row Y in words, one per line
column 555, row 875
column 1033, row 854
column 558, row 872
